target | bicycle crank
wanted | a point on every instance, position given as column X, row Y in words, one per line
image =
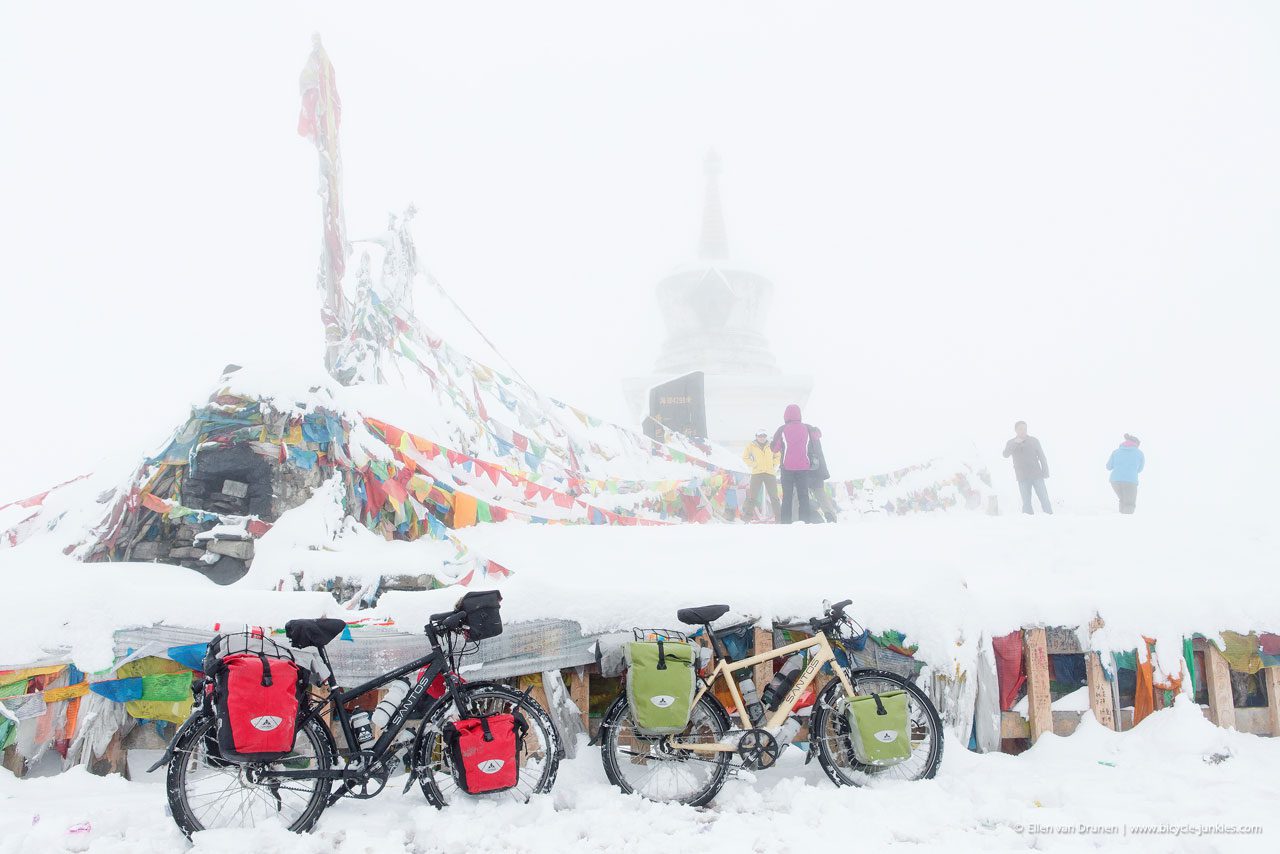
column 758, row 749
column 361, row 785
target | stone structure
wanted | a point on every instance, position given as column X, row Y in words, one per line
column 715, row 311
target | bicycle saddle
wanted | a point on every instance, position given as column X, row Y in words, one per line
column 317, row 633
column 702, row 614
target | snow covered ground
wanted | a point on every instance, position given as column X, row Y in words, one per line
column 947, row 580
column 1177, row 774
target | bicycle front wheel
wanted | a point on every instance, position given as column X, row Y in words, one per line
column 648, row 766
column 538, row 755
column 208, row 792
column 835, row 740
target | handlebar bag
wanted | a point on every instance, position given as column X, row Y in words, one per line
column 484, row 751
column 255, row 701
column 660, row 685
column 878, row 728
column 482, row 608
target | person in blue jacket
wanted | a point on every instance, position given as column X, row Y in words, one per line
column 1125, row 464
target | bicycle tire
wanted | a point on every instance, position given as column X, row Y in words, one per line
column 432, row 763
column 615, row 727
column 195, row 750
column 835, row 745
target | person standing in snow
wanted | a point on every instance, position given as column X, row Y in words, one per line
column 1125, row 464
column 762, row 461
column 821, row 499
column 1029, row 466
column 794, row 440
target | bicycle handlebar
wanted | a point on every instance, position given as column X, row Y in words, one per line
column 834, row 614
column 449, row 620
column 446, row 622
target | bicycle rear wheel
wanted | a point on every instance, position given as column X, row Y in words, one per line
column 646, row 765
column 208, row 792
column 539, row 753
column 830, row 727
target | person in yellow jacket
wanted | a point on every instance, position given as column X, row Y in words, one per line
column 762, row 461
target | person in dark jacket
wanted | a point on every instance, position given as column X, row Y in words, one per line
column 1125, row 464
column 793, row 440
column 821, row 499
column 1029, row 466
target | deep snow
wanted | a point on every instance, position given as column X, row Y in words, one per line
column 1087, row 791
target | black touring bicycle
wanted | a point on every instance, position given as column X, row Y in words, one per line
column 260, row 744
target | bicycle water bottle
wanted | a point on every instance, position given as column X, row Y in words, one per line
column 751, row 701
column 782, row 681
column 704, row 660
column 363, row 728
column 396, row 692
column 788, row 731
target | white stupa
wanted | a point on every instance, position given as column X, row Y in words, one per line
column 714, row 311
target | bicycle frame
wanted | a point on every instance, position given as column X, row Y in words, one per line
column 822, row 654
column 435, row 662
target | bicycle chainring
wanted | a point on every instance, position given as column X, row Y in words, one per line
column 362, row 785
column 758, row 749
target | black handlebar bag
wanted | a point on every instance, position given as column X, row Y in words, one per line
column 483, row 610
column 256, row 697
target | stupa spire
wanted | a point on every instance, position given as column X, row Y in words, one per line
column 715, row 240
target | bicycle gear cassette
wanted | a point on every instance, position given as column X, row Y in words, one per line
column 758, row 749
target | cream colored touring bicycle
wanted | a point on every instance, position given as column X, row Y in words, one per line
column 690, row 767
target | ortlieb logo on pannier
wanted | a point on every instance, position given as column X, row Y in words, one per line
column 484, row 751
column 660, row 685
column 256, row 698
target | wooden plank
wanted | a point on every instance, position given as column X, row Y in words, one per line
column 580, row 692
column 114, row 760
column 1062, row 640
column 1271, row 677
column 534, row 681
column 1065, row 723
column 762, row 672
column 1101, row 700
column 1039, row 700
column 1217, row 678
column 1013, row 725
column 14, row 762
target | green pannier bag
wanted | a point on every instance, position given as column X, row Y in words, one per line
column 660, row 685
column 878, row 728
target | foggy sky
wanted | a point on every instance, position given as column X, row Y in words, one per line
column 972, row 213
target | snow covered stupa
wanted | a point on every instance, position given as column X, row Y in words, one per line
column 715, row 310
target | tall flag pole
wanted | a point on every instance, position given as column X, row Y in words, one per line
column 318, row 122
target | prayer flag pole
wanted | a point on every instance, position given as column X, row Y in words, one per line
column 321, row 114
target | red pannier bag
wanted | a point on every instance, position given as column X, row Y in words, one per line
column 484, row 751
column 256, row 699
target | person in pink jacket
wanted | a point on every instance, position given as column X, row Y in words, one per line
column 794, row 440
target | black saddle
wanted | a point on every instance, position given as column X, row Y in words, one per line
column 701, row 615
column 317, row 633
